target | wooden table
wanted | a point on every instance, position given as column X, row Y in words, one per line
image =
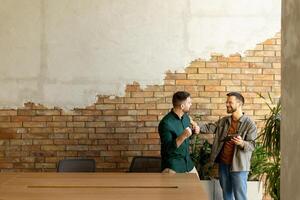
column 100, row 186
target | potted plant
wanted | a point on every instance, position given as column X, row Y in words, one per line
column 267, row 156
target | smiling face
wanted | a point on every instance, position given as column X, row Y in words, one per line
column 233, row 104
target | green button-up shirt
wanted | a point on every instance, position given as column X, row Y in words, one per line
column 173, row 157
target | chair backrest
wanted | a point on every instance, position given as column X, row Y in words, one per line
column 77, row 165
column 145, row 164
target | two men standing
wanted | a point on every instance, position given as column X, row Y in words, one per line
column 232, row 153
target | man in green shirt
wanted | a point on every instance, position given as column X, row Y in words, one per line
column 174, row 131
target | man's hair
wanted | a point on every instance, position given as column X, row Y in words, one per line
column 179, row 97
column 238, row 96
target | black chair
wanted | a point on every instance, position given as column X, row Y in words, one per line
column 145, row 164
column 76, row 165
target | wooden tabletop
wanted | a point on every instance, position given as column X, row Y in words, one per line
column 106, row 186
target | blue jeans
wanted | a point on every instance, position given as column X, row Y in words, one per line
column 233, row 183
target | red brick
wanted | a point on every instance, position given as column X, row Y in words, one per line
column 272, row 47
column 251, row 83
column 151, row 153
column 56, row 124
column 110, row 153
column 34, row 124
column 153, row 135
column 138, row 147
column 230, row 82
column 52, row 148
column 149, row 141
column 157, row 112
column 83, row 118
column 125, row 130
column 219, row 76
column 147, row 118
column 20, row 118
column 8, row 136
column 209, row 82
column 113, row 100
column 242, row 77
column 269, row 41
column 236, row 88
column 186, row 82
column 141, row 94
column 214, row 88
column 131, row 153
column 126, row 118
column 133, row 88
column 255, row 59
column 176, row 76
column 169, row 90
column 234, row 58
column 200, row 100
column 252, row 71
column 8, row 112
column 191, row 70
column 271, row 71
column 26, row 112
column 41, row 118
column 42, row 141
column 155, row 100
column 154, row 88
column 198, row 64
column 45, row 165
column 105, row 130
column 238, row 65
column 6, row 165
column 149, row 124
column 10, row 124
column 228, row 70
column 125, row 106
column 145, row 106
column 216, row 64
column 263, row 77
column 276, row 65
column 95, row 124
column 75, row 124
column 115, row 112
column 169, row 82
column 40, row 130
column 91, row 112
column 48, row 112
column 154, row 147
column 193, row 76
column 62, row 118
column 106, row 106
column 272, row 59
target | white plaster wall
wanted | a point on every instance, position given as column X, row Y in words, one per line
column 65, row 52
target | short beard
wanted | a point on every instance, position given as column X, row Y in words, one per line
column 231, row 111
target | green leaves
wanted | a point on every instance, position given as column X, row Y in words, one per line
column 266, row 157
column 200, row 156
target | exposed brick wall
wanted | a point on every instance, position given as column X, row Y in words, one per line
column 113, row 130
